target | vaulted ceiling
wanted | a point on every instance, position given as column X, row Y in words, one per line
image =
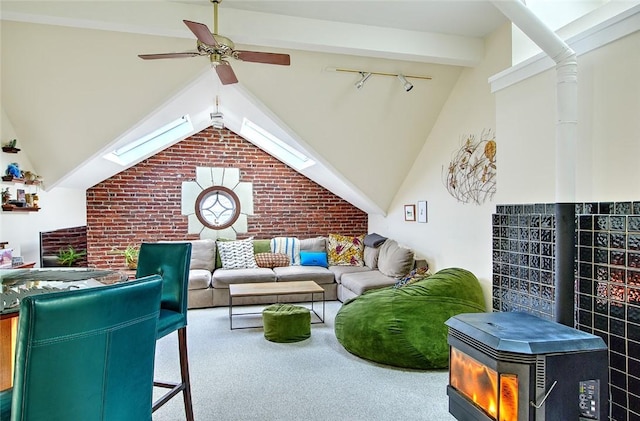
column 73, row 87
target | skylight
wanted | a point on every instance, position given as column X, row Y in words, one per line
column 274, row 146
column 152, row 142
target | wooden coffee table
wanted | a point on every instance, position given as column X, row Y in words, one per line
column 274, row 288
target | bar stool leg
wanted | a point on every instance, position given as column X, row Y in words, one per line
column 185, row 384
column 184, row 371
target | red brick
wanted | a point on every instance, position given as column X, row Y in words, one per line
column 143, row 203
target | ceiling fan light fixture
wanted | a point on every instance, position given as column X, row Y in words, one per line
column 405, row 83
column 217, row 118
column 365, row 75
column 217, row 121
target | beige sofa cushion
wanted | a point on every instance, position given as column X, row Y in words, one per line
column 394, row 260
column 338, row 271
column 304, row 273
column 359, row 282
column 371, row 257
column 223, row 277
column 313, row 244
column 199, row 279
column 203, row 254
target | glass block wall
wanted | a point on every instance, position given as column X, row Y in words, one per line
column 607, row 266
column 523, row 259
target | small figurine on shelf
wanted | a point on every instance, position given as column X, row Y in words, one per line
column 31, row 177
column 13, row 170
column 6, row 196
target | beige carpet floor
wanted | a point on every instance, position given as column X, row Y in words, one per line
column 238, row 375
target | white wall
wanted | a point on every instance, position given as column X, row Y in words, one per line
column 60, row 208
column 608, row 130
column 523, row 116
column 456, row 234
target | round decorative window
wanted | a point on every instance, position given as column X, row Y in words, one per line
column 217, row 207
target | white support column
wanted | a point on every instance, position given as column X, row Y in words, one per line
column 567, row 91
column 566, row 149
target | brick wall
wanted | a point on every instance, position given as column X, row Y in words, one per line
column 143, row 202
column 52, row 241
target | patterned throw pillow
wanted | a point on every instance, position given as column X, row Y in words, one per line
column 287, row 245
column 237, row 254
column 415, row 275
column 345, row 251
column 271, row 260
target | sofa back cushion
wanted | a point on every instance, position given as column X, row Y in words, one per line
column 394, row 260
column 313, row 244
column 262, row 246
column 371, row 257
column 203, row 254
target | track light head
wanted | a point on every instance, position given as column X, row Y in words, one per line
column 405, row 83
column 363, row 79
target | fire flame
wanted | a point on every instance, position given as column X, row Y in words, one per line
column 479, row 383
column 508, row 397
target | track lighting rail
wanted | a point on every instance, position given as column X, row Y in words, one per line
column 364, row 75
column 337, row 69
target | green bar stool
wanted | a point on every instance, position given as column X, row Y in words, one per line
column 286, row 323
column 86, row 354
column 171, row 261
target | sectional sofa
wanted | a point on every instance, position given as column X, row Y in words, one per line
column 377, row 262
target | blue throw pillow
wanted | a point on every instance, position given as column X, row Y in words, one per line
column 313, row 258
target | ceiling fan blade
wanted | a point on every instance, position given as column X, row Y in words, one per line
column 226, row 74
column 168, row 55
column 201, row 31
column 260, row 57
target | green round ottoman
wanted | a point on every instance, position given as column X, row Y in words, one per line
column 404, row 327
column 286, row 323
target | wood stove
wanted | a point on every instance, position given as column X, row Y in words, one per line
column 514, row 366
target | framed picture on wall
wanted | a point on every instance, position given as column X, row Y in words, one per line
column 409, row 212
column 422, row 211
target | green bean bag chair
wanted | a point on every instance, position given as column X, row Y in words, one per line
column 403, row 326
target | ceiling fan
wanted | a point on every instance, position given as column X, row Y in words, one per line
column 219, row 48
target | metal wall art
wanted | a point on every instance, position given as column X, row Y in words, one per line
column 471, row 174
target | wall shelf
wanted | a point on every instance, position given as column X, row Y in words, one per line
column 9, row 179
column 12, row 208
column 28, row 179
